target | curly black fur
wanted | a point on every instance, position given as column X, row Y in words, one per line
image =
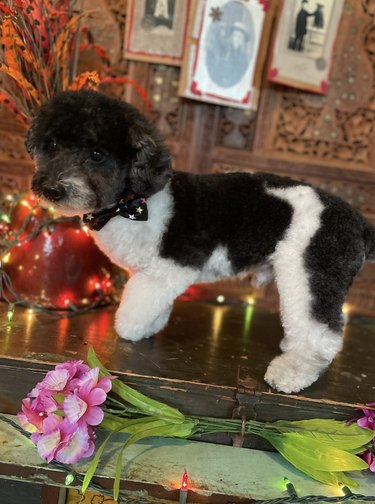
column 83, row 122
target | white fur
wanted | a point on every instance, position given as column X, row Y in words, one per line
column 217, row 267
column 309, row 346
column 79, row 195
column 155, row 282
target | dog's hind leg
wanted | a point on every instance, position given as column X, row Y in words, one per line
column 147, row 301
column 311, row 295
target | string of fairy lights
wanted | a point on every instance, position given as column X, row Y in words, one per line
column 11, row 239
column 74, row 478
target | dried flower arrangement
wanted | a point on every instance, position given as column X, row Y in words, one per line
column 41, row 44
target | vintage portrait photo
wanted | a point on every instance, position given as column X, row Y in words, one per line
column 303, row 45
column 221, row 64
column 309, row 27
column 156, row 30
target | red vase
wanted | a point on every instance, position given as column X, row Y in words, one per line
column 59, row 267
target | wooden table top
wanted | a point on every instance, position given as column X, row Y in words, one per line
column 207, row 359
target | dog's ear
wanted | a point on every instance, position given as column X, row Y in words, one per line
column 151, row 166
column 30, row 142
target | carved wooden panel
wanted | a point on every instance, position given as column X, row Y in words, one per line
column 236, row 128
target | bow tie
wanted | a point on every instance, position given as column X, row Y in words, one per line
column 133, row 208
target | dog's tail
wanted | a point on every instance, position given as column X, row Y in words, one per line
column 370, row 242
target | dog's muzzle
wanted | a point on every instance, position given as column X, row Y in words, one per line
column 51, row 192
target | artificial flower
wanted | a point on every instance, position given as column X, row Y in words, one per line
column 63, row 441
column 62, row 410
column 34, row 411
column 368, row 421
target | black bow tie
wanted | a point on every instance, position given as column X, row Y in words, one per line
column 133, row 208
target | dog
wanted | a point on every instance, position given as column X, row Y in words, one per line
column 100, row 158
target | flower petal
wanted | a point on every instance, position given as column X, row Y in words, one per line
column 96, row 397
column 55, row 380
column 47, row 444
column 78, row 445
column 74, row 408
column 105, row 383
column 90, row 379
column 363, row 422
column 94, row 415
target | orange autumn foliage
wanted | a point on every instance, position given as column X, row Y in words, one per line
column 41, row 41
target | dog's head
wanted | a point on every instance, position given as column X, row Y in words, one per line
column 90, row 150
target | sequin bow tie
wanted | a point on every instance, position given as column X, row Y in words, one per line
column 133, row 208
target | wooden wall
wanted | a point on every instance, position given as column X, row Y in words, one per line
column 329, row 141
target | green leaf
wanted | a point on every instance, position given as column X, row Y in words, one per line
column 144, row 403
column 111, row 422
column 329, row 431
column 303, row 451
column 116, row 483
column 59, row 398
column 59, row 413
column 329, row 478
column 158, row 427
column 94, row 464
column 132, row 426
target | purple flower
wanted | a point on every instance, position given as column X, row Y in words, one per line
column 90, row 393
column 64, row 441
column 34, row 411
column 62, row 410
column 62, row 379
column 369, row 458
column 368, row 421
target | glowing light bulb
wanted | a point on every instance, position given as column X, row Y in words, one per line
column 185, row 481
column 220, row 298
column 250, row 300
column 6, row 258
column 25, row 203
column 10, row 313
column 184, row 488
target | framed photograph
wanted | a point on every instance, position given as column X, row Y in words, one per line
column 221, row 61
column 303, row 43
column 156, row 30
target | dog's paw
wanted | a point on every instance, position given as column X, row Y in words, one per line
column 290, row 373
column 134, row 331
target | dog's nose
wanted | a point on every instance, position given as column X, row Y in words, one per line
column 55, row 193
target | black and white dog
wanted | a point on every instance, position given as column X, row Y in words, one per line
column 100, row 158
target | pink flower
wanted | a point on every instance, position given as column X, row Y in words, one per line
column 63, row 441
column 62, row 379
column 90, row 393
column 369, row 458
column 368, row 421
column 34, row 411
column 62, row 409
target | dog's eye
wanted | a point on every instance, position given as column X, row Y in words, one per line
column 97, row 156
column 52, row 145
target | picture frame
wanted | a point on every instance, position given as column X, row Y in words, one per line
column 156, row 30
column 225, row 52
column 303, row 44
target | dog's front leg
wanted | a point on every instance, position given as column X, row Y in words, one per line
column 146, row 304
